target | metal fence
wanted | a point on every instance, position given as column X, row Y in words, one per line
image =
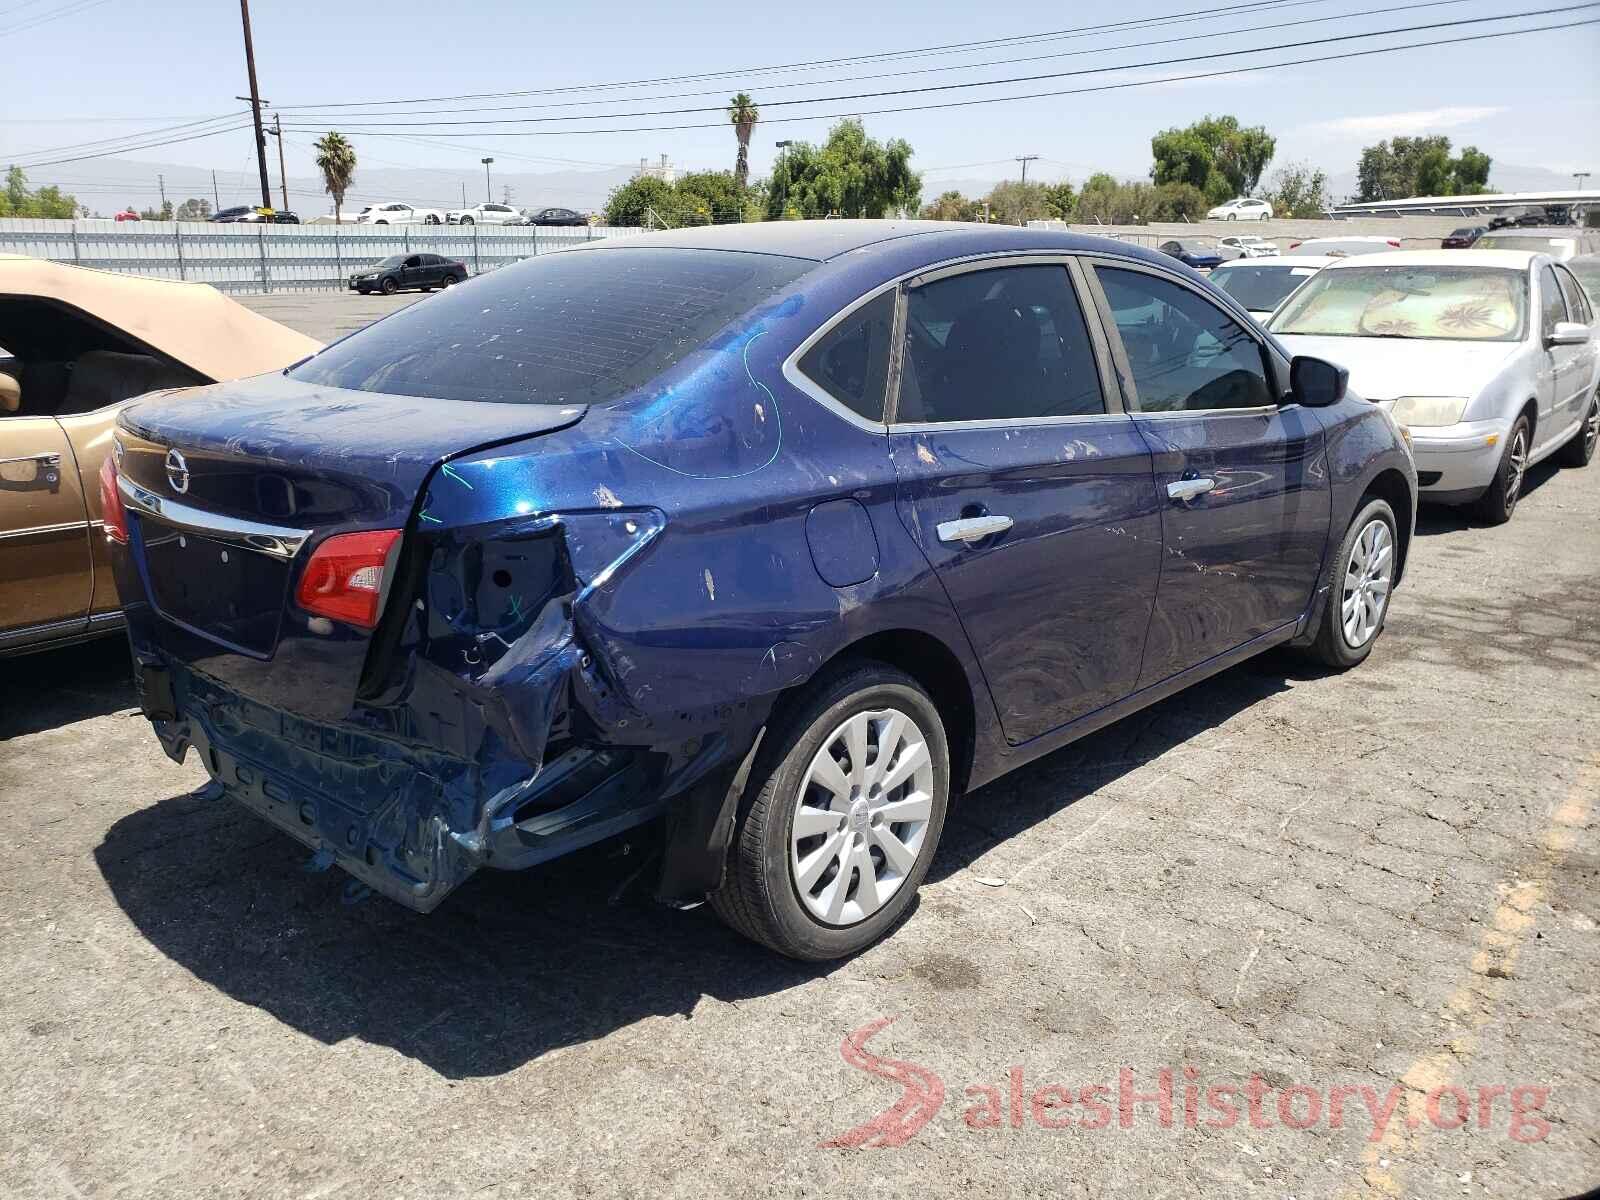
column 275, row 258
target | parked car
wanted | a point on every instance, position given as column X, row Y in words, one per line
column 1246, row 246
column 1587, row 268
column 1241, row 208
column 127, row 214
column 404, row 271
column 77, row 343
column 1560, row 242
column 485, row 214
column 1489, row 357
column 660, row 530
column 1462, row 239
column 395, row 213
column 1262, row 284
column 1192, row 254
column 227, row 216
column 1343, row 247
column 556, row 216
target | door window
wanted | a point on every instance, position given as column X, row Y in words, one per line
column 1186, row 354
column 851, row 361
column 1577, row 302
column 1008, row 343
column 1554, row 307
column 413, row 261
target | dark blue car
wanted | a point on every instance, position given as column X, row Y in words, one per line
column 773, row 536
column 1192, row 255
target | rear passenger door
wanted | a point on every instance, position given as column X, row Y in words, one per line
column 1241, row 474
column 1027, row 487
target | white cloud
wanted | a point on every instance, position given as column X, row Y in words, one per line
column 1403, row 124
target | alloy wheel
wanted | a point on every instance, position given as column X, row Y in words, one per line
column 1367, row 577
column 1518, row 467
column 1591, row 428
column 861, row 817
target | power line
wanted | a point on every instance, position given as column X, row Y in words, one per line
column 1386, row 10
column 139, row 136
column 948, row 47
column 1104, row 87
column 44, row 18
column 115, row 150
column 1018, row 79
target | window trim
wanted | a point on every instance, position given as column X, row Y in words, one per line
column 1539, row 268
column 804, row 383
column 1577, row 289
column 1110, row 392
column 1270, row 359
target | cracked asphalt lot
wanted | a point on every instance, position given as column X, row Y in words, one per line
column 1385, row 879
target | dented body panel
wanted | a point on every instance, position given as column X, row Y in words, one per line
column 596, row 609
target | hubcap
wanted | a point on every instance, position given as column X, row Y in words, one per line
column 1366, row 583
column 1591, row 428
column 861, row 818
column 1519, row 467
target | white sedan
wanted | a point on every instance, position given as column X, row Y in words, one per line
column 1248, row 245
column 486, row 214
column 1489, row 358
column 395, row 213
column 1241, row 208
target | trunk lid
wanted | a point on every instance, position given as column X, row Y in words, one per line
column 229, row 490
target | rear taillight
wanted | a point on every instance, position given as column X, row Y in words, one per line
column 1292, row 245
column 344, row 579
column 112, row 516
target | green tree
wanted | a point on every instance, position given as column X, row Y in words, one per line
column 19, row 200
column 1178, row 202
column 1059, row 200
column 1298, row 190
column 1017, row 203
column 952, row 206
column 1215, row 154
column 744, row 114
column 849, row 175
column 1471, row 171
column 194, row 209
column 336, row 159
column 1391, row 169
column 711, row 198
column 633, row 202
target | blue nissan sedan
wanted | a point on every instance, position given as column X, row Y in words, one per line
column 772, row 536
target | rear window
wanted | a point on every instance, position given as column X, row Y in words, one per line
column 577, row 327
column 1260, row 289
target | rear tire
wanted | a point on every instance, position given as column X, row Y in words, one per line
column 805, row 892
column 449, row 281
column 390, row 287
column 468, row 221
column 430, row 219
column 1497, row 504
column 1580, row 446
column 1363, row 579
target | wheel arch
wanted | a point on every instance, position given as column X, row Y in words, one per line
column 1392, row 486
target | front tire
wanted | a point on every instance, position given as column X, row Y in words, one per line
column 390, row 287
column 1362, row 582
column 1497, row 504
column 840, row 818
column 430, row 219
column 1580, row 446
column 468, row 221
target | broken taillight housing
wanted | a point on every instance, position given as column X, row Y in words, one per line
column 112, row 516
column 345, row 577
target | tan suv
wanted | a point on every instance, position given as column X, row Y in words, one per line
column 75, row 344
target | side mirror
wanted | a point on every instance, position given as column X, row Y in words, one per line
column 1315, row 382
column 1567, row 333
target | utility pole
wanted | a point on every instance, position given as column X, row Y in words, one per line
column 161, row 185
column 216, row 196
column 283, row 175
column 1022, row 204
column 255, row 105
column 488, row 190
column 1578, row 177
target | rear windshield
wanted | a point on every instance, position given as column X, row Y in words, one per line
column 1541, row 243
column 1479, row 304
column 575, row 327
column 1260, row 289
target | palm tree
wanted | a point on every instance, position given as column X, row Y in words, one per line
column 743, row 113
column 336, row 159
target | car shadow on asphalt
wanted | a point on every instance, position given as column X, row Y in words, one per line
column 514, row 966
column 52, row 688
column 1433, row 519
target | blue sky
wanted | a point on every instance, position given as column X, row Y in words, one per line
column 1530, row 101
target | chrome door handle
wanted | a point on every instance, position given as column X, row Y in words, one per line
column 45, row 460
column 1188, row 489
column 972, row 529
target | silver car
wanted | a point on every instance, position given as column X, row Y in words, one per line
column 1488, row 358
column 1560, row 242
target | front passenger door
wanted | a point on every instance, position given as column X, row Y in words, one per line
column 412, row 273
column 1027, row 487
column 1243, row 479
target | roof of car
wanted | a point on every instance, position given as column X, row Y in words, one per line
column 1516, row 259
column 825, row 240
column 1539, row 231
column 191, row 323
column 1291, row 260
